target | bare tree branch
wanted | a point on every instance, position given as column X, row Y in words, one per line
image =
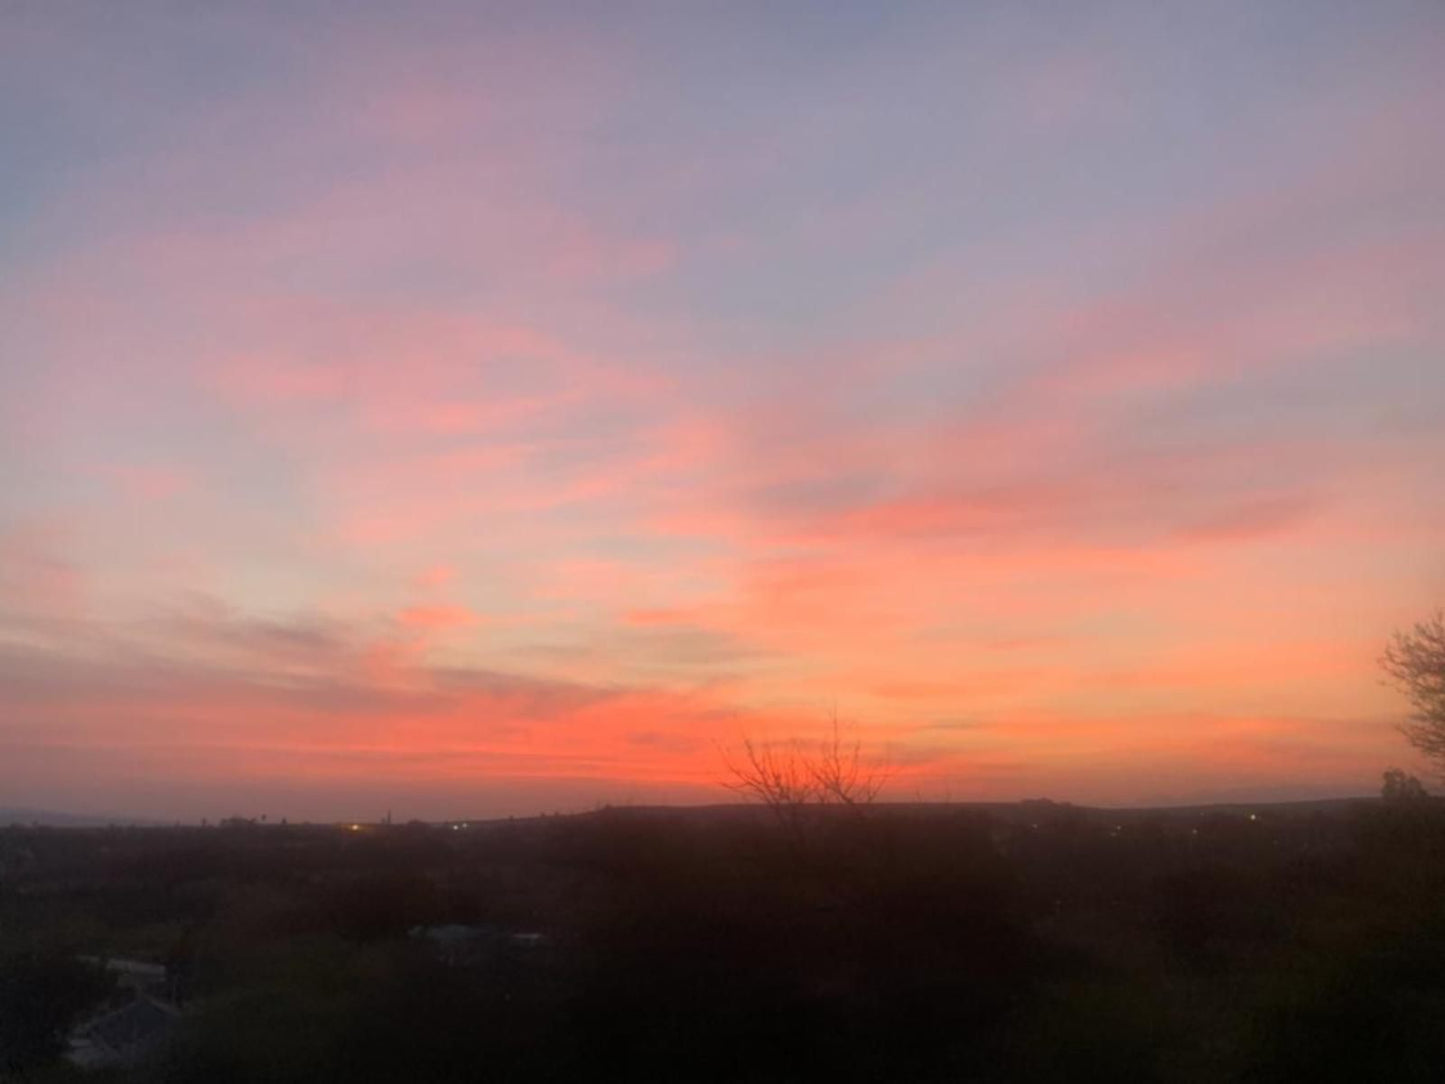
column 840, row 775
column 787, row 778
column 1415, row 661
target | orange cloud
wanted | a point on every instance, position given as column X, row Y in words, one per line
column 433, row 618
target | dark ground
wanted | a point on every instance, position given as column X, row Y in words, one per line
column 1027, row 942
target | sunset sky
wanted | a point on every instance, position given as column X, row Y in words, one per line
column 469, row 410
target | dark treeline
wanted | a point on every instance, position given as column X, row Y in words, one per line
column 890, row 943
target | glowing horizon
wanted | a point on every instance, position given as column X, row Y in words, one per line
column 474, row 411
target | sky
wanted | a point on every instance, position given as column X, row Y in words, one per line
column 469, row 409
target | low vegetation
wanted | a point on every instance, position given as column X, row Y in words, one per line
column 880, row 943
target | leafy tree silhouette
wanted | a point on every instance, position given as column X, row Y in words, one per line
column 1399, row 786
column 41, row 996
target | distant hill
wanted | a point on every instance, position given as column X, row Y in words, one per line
column 1026, row 809
column 51, row 819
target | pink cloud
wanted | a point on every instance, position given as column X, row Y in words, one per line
column 436, row 618
column 435, row 577
column 36, row 576
column 150, row 483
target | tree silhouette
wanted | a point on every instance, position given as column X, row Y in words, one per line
column 41, row 996
column 1400, row 787
column 790, row 777
column 1415, row 661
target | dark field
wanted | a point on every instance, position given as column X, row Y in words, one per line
column 894, row 943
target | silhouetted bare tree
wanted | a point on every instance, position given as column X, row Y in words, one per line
column 841, row 775
column 778, row 776
column 1415, row 660
column 789, row 777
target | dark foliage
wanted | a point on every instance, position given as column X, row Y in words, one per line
column 41, row 996
column 1015, row 943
